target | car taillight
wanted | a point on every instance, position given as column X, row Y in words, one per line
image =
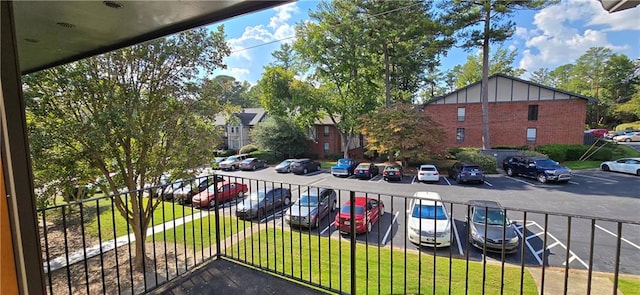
column 359, row 221
column 385, row 173
column 435, row 173
column 421, row 173
column 366, row 171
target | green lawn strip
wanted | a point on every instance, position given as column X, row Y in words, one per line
column 628, row 286
column 578, row 165
column 201, row 231
column 327, row 164
column 165, row 212
column 331, row 266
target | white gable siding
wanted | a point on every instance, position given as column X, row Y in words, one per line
column 520, row 91
column 503, row 93
column 546, row 94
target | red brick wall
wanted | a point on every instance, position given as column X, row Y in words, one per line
column 334, row 140
column 559, row 122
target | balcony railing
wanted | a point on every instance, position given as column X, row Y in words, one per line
column 89, row 248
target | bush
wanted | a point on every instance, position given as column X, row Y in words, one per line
column 533, row 154
column 267, row 156
column 226, row 153
column 629, row 126
column 556, row 152
column 487, row 162
column 506, row 147
column 334, row 157
column 247, row 149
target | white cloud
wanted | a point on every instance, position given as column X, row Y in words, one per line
column 619, row 21
column 555, row 39
column 277, row 29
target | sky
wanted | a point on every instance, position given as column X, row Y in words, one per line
column 549, row 37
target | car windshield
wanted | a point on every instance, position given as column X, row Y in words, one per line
column 427, row 169
column 344, row 162
column 257, row 196
column 218, row 160
column 546, row 162
column 232, row 159
column 496, row 217
column 391, row 168
column 308, row 201
column 471, row 168
column 284, row 163
column 347, row 210
column 363, row 166
column 247, row 161
column 429, row 212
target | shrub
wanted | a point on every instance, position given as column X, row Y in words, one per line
column 487, row 162
column 247, row 149
column 556, row 152
column 334, row 157
column 533, row 154
column 517, row 147
column 267, row 156
column 226, row 153
column 629, row 126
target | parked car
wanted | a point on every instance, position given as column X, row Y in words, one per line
column 232, row 162
column 184, row 194
column 628, row 137
column 392, row 172
column 542, row 169
column 304, row 166
column 262, row 201
column 216, row 162
column 611, row 135
column 312, row 206
column 252, row 164
column 428, row 221
column 463, row 172
column 624, row 165
column 428, row 173
column 366, row 170
column 284, row 166
column 489, row 226
column 367, row 212
column 344, row 167
column 226, row 192
column 597, row 132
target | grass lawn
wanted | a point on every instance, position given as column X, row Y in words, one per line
column 327, row 164
column 201, row 232
column 577, row 165
column 629, row 286
column 326, row 261
column 166, row 211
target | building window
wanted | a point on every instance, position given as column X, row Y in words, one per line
column 531, row 135
column 461, row 114
column 533, row 112
column 326, row 130
column 460, row 134
column 326, row 147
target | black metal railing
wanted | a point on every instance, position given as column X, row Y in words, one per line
column 384, row 244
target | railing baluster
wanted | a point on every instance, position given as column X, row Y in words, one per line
column 45, row 233
column 522, row 251
column 567, row 256
column 451, row 246
column 352, row 239
column 115, row 236
column 617, row 264
column 591, row 243
column 544, row 250
column 467, row 250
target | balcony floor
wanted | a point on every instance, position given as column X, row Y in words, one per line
column 225, row 277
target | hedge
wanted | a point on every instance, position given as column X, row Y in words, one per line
column 573, row 152
column 247, row 149
column 487, row 162
column 628, row 126
column 267, row 156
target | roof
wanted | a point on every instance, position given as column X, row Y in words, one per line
column 428, row 196
column 247, row 116
column 484, row 203
column 51, row 33
column 588, row 99
column 618, row 5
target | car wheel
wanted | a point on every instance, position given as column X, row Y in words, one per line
column 627, row 140
column 542, row 178
column 509, row 171
column 605, row 168
column 254, row 168
column 335, row 203
column 316, row 223
column 381, row 211
column 239, row 195
column 287, row 201
column 212, row 204
column 288, row 170
column 233, row 168
column 261, row 213
column 305, row 171
column 638, row 172
column 369, row 227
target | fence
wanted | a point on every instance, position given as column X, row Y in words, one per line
column 368, row 248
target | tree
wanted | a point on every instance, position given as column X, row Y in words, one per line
column 403, row 130
column 226, row 89
column 501, row 63
column 281, row 136
column 541, row 76
column 467, row 16
column 333, row 44
column 632, row 106
column 133, row 111
column 285, row 58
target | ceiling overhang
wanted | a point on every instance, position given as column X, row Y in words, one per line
column 618, row 5
column 51, row 33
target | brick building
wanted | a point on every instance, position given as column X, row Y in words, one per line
column 520, row 113
column 325, row 140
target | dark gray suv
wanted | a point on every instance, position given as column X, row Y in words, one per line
column 542, row 169
column 466, row 172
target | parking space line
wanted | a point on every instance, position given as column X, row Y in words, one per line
column 557, row 242
column 596, row 178
column 528, row 245
column 278, row 213
column 375, row 178
column 535, row 235
column 573, row 182
column 327, row 228
column 487, row 183
column 455, row 231
column 413, row 180
column 520, row 180
column 621, row 238
column 386, row 235
column 447, row 180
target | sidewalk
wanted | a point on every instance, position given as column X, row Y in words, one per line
column 577, row 284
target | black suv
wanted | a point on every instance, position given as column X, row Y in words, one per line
column 542, row 169
column 466, row 172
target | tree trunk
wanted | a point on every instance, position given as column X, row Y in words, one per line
column 345, row 144
column 387, row 84
column 486, row 142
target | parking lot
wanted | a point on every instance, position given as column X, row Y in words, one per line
column 589, row 193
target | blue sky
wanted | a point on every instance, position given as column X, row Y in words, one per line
column 549, row 37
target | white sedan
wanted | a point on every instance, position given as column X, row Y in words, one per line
column 428, row 173
column 428, row 220
column 625, row 165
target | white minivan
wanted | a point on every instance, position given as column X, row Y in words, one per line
column 428, row 220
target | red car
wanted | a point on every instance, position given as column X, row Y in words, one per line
column 597, row 132
column 367, row 213
column 226, row 192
